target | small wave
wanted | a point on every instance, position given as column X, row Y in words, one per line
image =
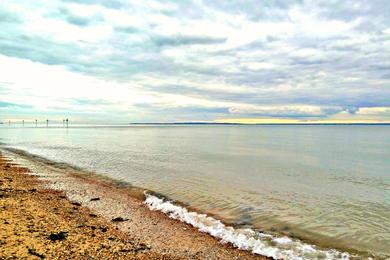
column 245, row 239
column 38, row 158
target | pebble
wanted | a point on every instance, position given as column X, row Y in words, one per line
column 119, row 219
column 62, row 235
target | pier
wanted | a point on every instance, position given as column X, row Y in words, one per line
column 30, row 123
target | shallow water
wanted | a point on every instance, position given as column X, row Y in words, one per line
column 328, row 185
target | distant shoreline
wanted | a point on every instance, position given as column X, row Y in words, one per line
column 200, row 123
column 59, row 124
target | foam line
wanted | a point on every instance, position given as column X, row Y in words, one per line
column 245, row 239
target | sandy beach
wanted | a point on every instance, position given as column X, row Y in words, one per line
column 63, row 214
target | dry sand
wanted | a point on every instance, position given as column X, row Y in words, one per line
column 77, row 222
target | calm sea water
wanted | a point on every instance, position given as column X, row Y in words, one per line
column 328, row 185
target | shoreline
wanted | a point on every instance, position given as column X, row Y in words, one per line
column 121, row 199
column 130, row 228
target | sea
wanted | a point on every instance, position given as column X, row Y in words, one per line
column 286, row 191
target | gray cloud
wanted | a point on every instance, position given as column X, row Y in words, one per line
column 126, row 29
column 185, row 40
column 7, row 17
column 12, row 105
column 76, row 20
column 67, row 15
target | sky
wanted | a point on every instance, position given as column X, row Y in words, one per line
column 114, row 61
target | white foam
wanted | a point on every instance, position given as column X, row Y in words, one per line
column 245, row 239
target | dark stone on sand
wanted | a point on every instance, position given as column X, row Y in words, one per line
column 33, row 190
column 62, row 196
column 92, row 215
column 103, row 229
column 58, row 236
column 119, row 219
column 95, row 199
column 76, row 203
column 32, row 251
column 142, row 247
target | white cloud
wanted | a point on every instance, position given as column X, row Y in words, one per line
column 260, row 65
column 284, row 110
column 378, row 111
column 43, row 86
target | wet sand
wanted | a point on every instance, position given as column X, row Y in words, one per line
column 59, row 213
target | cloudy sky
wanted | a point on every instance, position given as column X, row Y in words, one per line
column 223, row 61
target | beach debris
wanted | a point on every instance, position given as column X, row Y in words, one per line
column 34, row 252
column 62, row 235
column 94, row 199
column 119, row 219
column 142, row 247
